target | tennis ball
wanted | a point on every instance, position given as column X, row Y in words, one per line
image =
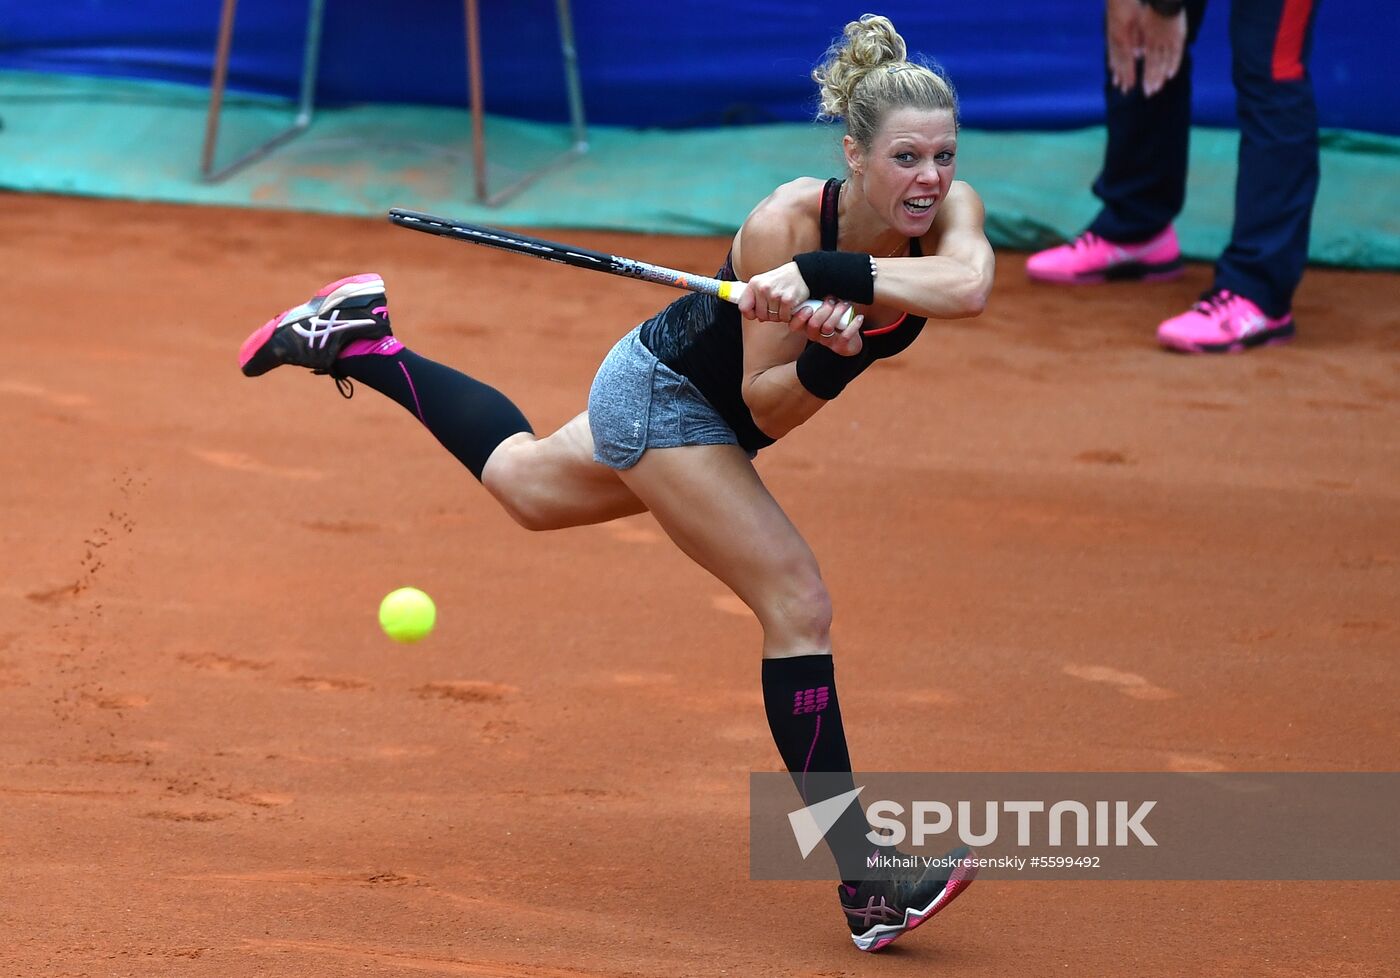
column 406, row 615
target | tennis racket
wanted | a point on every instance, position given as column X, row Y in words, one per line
column 580, row 257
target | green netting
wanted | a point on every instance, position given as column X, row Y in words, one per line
column 142, row 140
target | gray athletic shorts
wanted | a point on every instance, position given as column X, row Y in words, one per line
column 637, row 402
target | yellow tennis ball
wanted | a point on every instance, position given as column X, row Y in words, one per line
column 406, row 615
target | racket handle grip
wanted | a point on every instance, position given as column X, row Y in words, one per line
column 734, row 291
column 846, row 319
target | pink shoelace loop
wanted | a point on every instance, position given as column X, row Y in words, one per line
column 1215, row 301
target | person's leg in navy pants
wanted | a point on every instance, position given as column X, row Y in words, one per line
column 1143, row 181
column 1278, row 165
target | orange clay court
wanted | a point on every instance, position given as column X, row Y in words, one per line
column 1051, row 547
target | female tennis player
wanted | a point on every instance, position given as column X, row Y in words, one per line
column 682, row 403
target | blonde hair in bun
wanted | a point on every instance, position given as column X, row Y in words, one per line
column 866, row 73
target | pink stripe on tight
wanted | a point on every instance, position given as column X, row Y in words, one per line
column 385, row 347
column 419, row 408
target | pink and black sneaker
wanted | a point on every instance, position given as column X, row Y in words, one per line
column 1223, row 322
column 350, row 313
column 1090, row 259
column 880, row 911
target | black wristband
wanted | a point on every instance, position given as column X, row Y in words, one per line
column 825, row 373
column 848, row 275
column 1166, row 8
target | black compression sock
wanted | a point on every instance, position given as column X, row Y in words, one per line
column 467, row 416
column 799, row 696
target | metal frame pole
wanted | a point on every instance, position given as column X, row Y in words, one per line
column 310, row 60
column 566, row 44
column 578, row 124
column 477, row 99
column 216, row 85
column 305, row 103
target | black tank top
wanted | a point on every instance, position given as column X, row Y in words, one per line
column 701, row 337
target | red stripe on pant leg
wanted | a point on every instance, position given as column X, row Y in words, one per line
column 1288, row 42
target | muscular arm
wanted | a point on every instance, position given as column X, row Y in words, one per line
column 778, row 228
column 953, row 280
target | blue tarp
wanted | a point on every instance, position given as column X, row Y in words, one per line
column 1018, row 64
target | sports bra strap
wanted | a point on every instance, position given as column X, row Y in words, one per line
column 831, row 196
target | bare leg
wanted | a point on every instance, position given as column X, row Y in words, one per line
column 714, row 506
column 553, row 482
column 711, row 502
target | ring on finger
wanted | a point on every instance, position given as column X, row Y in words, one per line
column 825, row 333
